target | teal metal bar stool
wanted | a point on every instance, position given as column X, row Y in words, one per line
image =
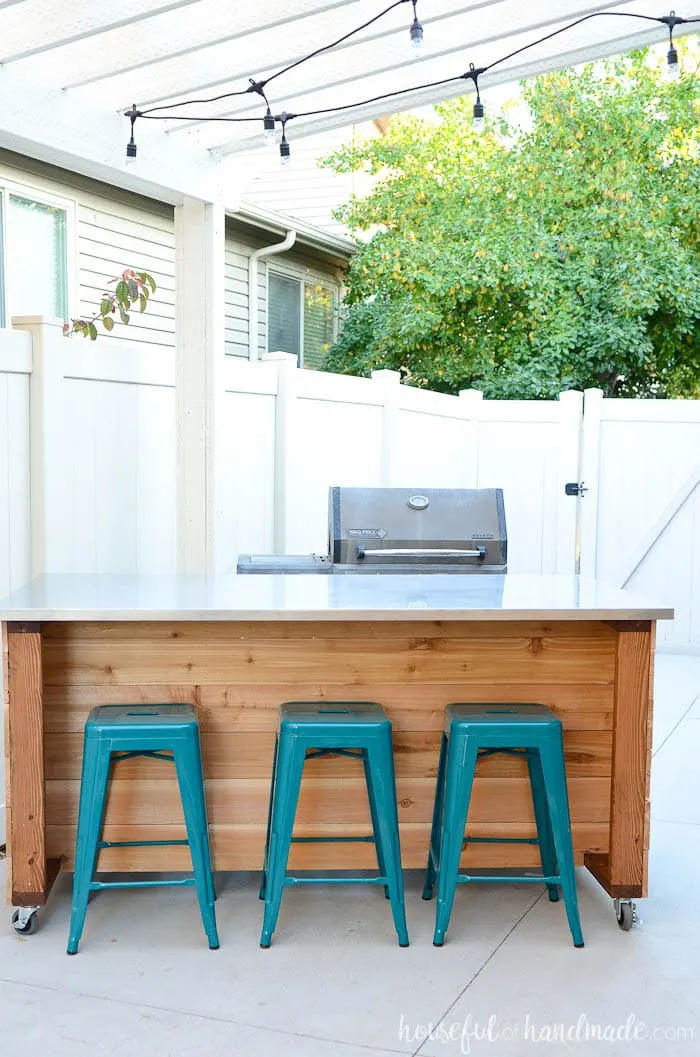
column 474, row 730
column 307, row 730
column 161, row 732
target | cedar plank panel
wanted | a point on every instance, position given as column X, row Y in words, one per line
column 237, row 674
column 4, row 647
column 631, row 755
column 27, row 873
column 225, row 708
column 241, row 847
column 249, row 755
column 650, row 734
column 322, row 800
column 419, row 633
column 243, row 654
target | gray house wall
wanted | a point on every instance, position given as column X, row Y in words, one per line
column 110, row 229
column 294, row 263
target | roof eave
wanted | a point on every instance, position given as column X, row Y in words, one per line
column 307, row 234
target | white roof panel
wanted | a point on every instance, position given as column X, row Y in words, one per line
column 152, row 52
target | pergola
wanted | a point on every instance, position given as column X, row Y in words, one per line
column 70, row 68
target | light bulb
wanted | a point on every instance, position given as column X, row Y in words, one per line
column 285, row 152
column 673, row 69
column 478, row 116
column 269, row 127
column 132, row 114
column 417, row 37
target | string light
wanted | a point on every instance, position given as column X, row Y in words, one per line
column 269, row 127
column 416, row 31
column 674, row 69
column 672, row 65
column 285, row 149
column 478, row 111
column 131, row 145
column 416, row 34
column 478, row 120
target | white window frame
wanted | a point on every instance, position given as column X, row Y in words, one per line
column 48, row 198
column 301, row 276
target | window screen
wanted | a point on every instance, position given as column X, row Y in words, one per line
column 283, row 315
column 319, row 311
column 36, row 259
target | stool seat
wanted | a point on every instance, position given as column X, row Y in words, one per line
column 108, row 717
column 472, row 730
column 505, row 716
column 114, row 733
column 335, row 714
column 307, row 730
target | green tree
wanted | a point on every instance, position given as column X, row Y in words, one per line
column 527, row 260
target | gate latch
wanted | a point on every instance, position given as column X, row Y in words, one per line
column 575, row 488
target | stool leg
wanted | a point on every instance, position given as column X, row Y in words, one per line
column 290, row 767
column 548, row 856
column 263, row 879
column 434, row 847
column 381, row 862
column 188, row 764
column 93, row 794
column 461, row 764
column 381, row 764
column 554, row 772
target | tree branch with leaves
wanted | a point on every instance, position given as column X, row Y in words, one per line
column 133, row 289
column 559, row 249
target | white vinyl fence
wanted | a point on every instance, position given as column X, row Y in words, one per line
column 88, row 479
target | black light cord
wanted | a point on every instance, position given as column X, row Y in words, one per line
column 305, row 113
column 572, row 25
column 473, row 74
column 259, row 86
column 340, row 40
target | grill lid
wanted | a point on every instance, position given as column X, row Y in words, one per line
column 371, row 527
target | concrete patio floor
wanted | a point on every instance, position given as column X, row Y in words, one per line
column 335, row 982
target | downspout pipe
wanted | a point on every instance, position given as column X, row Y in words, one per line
column 260, row 255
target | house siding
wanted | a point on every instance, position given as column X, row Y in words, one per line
column 293, row 263
column 113, row 230
column 111, row 237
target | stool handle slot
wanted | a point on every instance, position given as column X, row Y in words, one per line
column 141, row 713
column 334, row 711
column 500, row 711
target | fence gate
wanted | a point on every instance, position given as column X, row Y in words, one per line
column 640, row 518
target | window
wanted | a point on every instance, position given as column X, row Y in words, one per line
column 35, row 252
column 300, row 318
column 319, row 324
column 283, row 315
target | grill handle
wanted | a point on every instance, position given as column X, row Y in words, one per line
column 417, row 552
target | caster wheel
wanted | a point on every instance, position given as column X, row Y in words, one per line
column 23, row 924
column 625, row 914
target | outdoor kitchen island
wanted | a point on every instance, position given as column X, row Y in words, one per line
column 237, row 647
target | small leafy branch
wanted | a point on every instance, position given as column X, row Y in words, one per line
column 132, row 289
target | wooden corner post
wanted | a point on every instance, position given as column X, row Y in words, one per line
column 623, row 870
column 30, row 876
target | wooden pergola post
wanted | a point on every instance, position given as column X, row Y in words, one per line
column 200, row 356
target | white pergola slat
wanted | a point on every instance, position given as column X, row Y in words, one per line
column 103, row 57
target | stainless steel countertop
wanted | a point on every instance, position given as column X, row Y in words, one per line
column 411, row 597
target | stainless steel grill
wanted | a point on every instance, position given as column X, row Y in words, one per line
column 403, row 530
